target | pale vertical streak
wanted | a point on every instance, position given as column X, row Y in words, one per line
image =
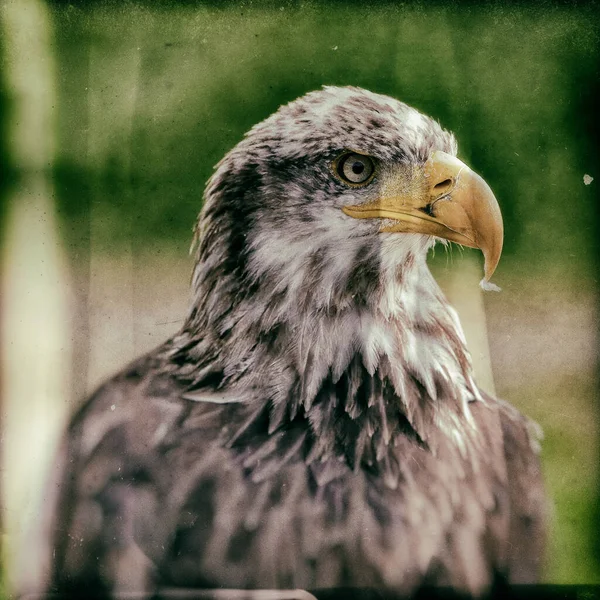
column 112, row 93
column 461, row 287
column 36, row 322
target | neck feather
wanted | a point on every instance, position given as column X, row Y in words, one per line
column 367, row 341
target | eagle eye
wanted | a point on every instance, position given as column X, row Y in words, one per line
column 354, row 169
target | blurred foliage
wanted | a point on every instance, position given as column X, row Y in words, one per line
column 568, row 442
column 7, row 171
column 514, row 84
column 151, row 95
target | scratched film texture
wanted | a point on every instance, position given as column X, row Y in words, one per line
column 117, row 112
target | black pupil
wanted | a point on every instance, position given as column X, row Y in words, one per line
column 358, row 167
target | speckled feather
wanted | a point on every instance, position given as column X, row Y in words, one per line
column 315, row 423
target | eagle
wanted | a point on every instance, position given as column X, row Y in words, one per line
column 315, row 423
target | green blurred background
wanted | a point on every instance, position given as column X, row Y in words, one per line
column 142, row 99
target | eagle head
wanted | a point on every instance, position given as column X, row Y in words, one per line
column 312, row 246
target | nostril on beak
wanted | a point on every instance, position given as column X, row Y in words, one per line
column 442, row 186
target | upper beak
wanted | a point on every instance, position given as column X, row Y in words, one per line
column 443, row 198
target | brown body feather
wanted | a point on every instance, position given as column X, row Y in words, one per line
column 163, row 491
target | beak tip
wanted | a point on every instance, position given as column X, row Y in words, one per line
column 488, row 286
column 491, row 262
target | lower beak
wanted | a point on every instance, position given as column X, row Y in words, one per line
column 445, row 199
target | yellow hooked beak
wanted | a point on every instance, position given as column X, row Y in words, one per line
column 443, row 198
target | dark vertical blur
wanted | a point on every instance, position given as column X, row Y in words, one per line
column 587, row 124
